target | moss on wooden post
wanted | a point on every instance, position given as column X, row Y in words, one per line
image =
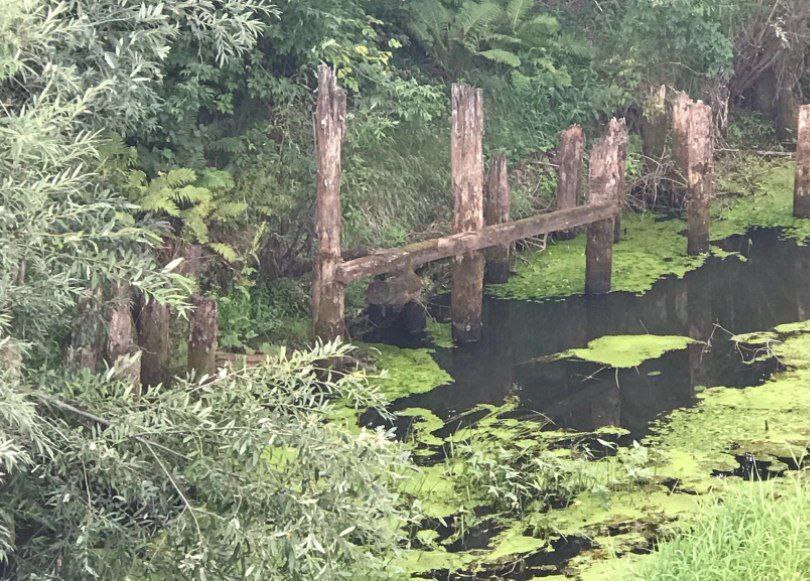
column 328, row 295
column 496, row 211
column 801, row 193
column 467, row 181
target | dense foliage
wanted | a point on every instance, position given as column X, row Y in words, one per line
column 128, row 127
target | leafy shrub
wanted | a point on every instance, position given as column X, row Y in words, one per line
column 241, row 477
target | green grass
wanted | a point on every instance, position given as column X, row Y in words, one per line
column 759, row 531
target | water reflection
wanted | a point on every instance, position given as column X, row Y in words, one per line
column 770, row 287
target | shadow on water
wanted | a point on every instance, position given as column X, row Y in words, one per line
column 770, row 287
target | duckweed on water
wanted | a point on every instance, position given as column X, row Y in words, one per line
column 626, row 351
column 651, row 248
column 407, row 371
column 630, row 501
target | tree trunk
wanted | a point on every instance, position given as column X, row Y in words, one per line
column 569, row 172
column 328, row 295
column 496, row 211
column 467, row 179
column 202, row 338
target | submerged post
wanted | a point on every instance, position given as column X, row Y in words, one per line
column 700, row 176
column 603, row 187
column 569, row 172
column 496, row 211
column 618, row 132
column 467, row 180
column 328, row 295
column 801, row 192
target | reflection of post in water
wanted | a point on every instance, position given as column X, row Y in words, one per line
column 700, row 323
column 803, row 283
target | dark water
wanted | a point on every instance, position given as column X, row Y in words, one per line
column 727, row 296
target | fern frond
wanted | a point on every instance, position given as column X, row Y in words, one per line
column 179, row 177
column 228, row 210
column 192, row 195
column 215, row 179
column 224, row 250
column 516, row 11
column 197, row 227
column 160, row 201
column 501, row 56
column 475, row 17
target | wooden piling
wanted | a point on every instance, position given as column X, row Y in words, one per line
column 496, row 211
column 618, row 131
column 654, row 128
column 87, row 337
column 328, row 295
column 569, row 172
column 801, row 192
column 467, row 181
column 680, row 148
column 120, row 351
column 153, row 339
column 603, row 187
column 700, row 176
column 202, row 337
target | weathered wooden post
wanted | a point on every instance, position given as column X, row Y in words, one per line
column 654, row 128
column 569, row 172
column 700, row 176
column 618, row 131
column 496, row 211
column 801, row 192
column 328, row 294
column 87, row 337
column 202, row 337
column 121, row 351
column 603, row 187
column 467, row 181
column 153, row 339
column 680, row 138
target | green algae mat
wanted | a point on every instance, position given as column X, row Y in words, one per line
column 652, row 248
column 614, row 507
column 627, row 351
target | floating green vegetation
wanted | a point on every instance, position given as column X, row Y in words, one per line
column 649, row 250
column 535, row 488
column 407, row 371
column 626, row 351
column 652, row 248
column 440, row 334
column 766, row 201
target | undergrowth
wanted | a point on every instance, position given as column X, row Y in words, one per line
column 757, row 531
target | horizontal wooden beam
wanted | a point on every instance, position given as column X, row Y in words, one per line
column 419, row 253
